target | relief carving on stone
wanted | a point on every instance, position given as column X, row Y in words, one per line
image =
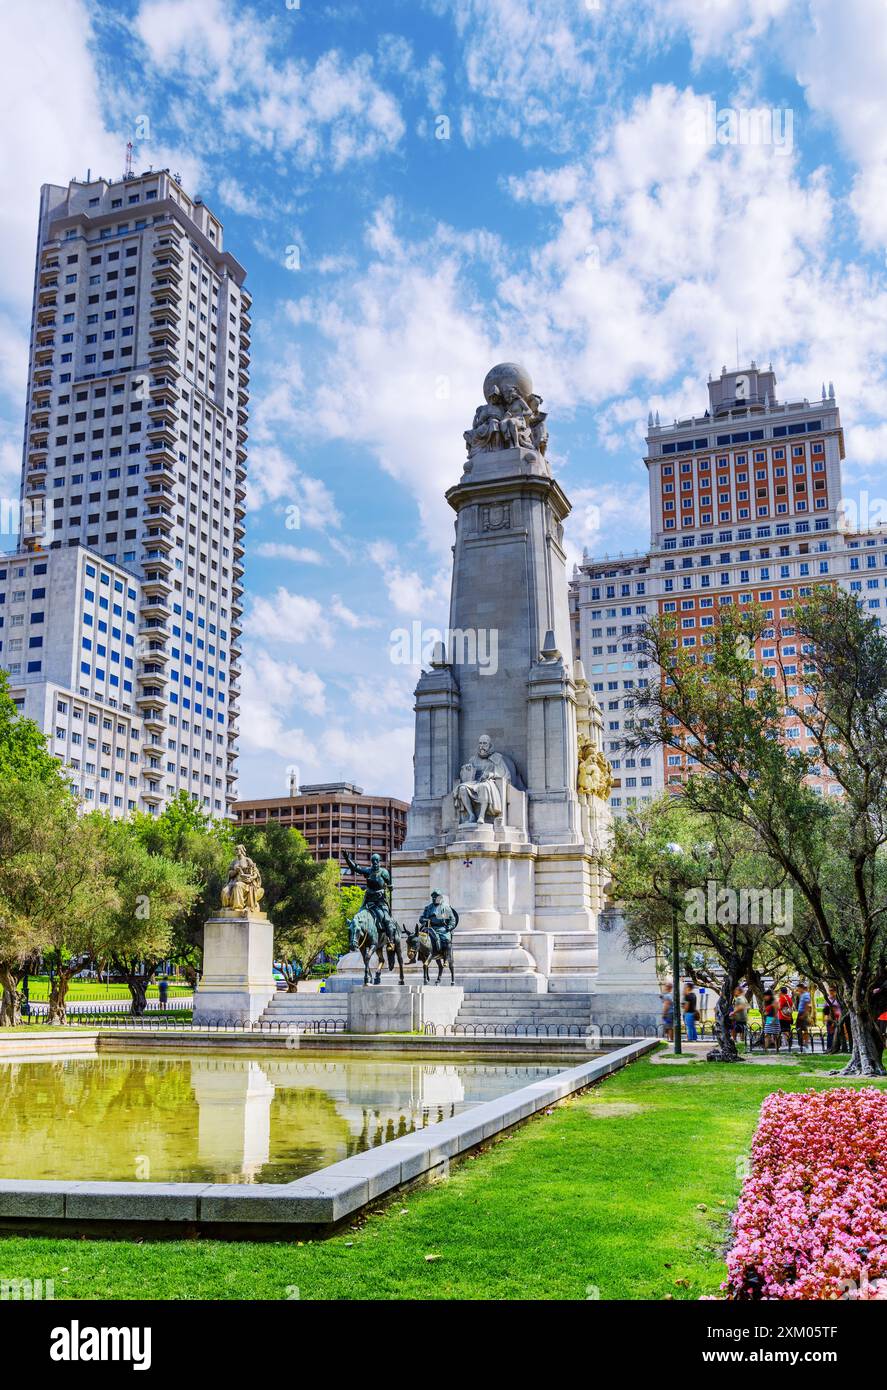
column 496, row 517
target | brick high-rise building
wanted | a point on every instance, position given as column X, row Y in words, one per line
column 334, row 817
column 121, row 610
column 745, row 506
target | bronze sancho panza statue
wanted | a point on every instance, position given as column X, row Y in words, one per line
column 243, row 892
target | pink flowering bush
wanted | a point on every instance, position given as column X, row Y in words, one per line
column 812, row 1217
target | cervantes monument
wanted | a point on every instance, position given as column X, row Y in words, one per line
column 509, row 816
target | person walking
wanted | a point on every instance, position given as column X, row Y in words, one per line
column 668, row 1013
column 805, row 1011
column 739, row 1013
column 785, row 1014
column 690, row 1014
column 163, row 991
column 770, row 1015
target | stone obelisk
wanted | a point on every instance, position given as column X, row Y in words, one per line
column 497, row 821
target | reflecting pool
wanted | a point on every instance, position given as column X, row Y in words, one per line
column 215, row 1117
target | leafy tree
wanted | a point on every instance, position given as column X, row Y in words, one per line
column 186, row 834
column 23, row 751
column 301, row 897
column 53, row 879
column 22, row 803
column 350, row 899
column 703, row 885
column 134, row 932
column 719, row 709
column 299, row 944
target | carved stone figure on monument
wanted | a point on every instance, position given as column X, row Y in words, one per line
column 243, row 891
column 538, row 427
column 484, row 433
column 477, row 792
column 515, row 423
column 602, row 776
column 584, row 771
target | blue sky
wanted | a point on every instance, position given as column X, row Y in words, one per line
column 575, row 216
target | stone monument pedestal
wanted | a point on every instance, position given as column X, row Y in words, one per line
column 238, row 968
column 627, row 991
column 401, row 1008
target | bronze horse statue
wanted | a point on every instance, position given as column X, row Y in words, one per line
column 421, row 947
column 364, row 936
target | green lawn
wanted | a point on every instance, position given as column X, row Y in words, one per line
column 625, row 1190
column 91, row 1022
column 82, row 990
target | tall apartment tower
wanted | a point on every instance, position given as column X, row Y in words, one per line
column 746, row 505
column 121, row 610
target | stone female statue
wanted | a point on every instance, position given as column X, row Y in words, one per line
column 484, row 432
column 243, row 892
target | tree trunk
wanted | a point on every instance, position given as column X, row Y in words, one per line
column 725, row 1051
column 868, row 1046
column 10, row 1004
column 57, row 997
column 838, row 1043
column 756, row 988
column 138, row 989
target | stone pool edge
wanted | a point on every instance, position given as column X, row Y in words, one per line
column 319, row 1199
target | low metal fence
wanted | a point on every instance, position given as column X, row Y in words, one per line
column 227, row 1024
column 590, row 1032
column 751, row 1039
column 38, row 1009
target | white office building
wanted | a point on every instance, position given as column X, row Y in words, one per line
column 121, row 606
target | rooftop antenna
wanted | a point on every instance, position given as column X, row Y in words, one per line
column 127, row 172
column 737, row 349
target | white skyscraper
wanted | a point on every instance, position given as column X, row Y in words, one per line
column 121, row 610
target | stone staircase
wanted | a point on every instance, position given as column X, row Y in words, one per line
column 326, row 1011
column 571, row 1013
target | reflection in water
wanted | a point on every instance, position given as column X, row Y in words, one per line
column 176, row 1117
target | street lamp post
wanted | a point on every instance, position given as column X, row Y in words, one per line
column 675, row 974
column 676, row 851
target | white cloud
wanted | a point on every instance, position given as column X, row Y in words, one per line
column 300, row 555
column 274, row 476
column 51, row 116
column 408, row 591
column 238, row 89
column 533, row 66
column 235, row 196
column 288, row 619
column 286, row 723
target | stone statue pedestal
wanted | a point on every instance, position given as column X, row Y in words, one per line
column 627, row 991
column 238, row 968
column 402, row 1008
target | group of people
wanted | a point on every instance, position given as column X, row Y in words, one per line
column 690, row 1015
column 784, row 1012
column 778, row 1010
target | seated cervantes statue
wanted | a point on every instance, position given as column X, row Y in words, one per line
column 476, row 792
column 243, row 892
